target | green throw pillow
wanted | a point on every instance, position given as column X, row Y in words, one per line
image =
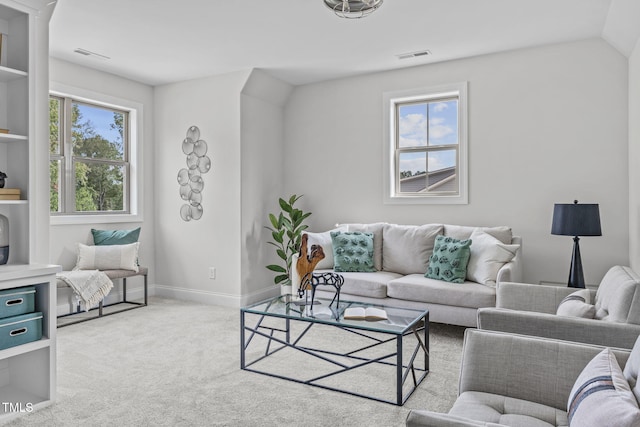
column 115, row 237
column 352, row 251
column 449, row 259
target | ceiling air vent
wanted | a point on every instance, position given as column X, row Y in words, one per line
column 414, row 54
column 86, row 52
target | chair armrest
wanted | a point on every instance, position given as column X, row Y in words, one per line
column 419, row 418
column 529, row 297
column 588, row 331
column 522, row 367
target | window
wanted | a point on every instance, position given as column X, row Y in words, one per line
column 425, row 146
column 93, row 157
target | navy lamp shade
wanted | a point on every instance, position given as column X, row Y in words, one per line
column 576, row 220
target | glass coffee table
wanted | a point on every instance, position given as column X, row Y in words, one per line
column 382, row 360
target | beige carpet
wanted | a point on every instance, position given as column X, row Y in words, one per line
column 176, row 363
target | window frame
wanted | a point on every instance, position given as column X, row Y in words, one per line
column 132, row 154
column 391, row 156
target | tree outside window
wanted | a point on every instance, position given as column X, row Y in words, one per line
column 88, row 157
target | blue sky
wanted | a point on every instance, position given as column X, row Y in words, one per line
column 440, row 119
column 101, row 119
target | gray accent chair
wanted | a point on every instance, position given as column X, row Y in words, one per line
column 531, row 310
column 516, row 380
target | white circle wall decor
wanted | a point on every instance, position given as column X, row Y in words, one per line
column 190, row 178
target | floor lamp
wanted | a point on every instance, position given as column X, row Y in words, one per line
column 576, row 220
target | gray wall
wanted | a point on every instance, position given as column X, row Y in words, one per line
column 634, row 159
column 546, row 125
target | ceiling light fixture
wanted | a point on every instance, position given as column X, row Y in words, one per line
column 353, row 9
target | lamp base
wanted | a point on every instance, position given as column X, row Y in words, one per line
column 576, row 277
column 4, row 255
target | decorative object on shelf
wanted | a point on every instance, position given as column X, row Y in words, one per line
column 353, row 9
column 3, row 130
column 190, row 178
column 2, row 177
column 286, row 231
column 576, row 220
column 9, row 193
column 4, row 239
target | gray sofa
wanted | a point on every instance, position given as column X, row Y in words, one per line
column 401, row 257
column 515, row 380
column 531, row 310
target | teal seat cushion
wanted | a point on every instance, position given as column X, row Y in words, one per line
column 115, row 237
column 449, row 259
column 352, row 251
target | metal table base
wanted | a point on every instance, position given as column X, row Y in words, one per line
column 414, row 370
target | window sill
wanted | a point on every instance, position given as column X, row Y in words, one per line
column 426, row 200
column 93, row 219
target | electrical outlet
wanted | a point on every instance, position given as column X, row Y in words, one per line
column 212, row 272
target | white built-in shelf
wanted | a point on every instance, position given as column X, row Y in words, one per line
column 14, row 202
column 7, row 74
column 10, row 137
column 26, row 348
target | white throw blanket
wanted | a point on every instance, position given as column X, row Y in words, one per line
column 90, row 286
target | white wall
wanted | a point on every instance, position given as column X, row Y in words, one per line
column 262, row 133
column 634, row 159
column 546, row 125
column 64, row 238
column 186, row 250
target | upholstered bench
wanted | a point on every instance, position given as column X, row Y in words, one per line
column 113, row 275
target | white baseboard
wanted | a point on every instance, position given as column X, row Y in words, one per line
column 214, row 298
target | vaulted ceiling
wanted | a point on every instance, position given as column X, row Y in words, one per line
column 301, row 41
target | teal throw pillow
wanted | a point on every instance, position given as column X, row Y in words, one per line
column 449, row 259
column 115, row 237
column 352, row 251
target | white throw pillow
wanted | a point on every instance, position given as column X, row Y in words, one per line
column 324, row 240
column 488, row 255
column 112, row 257
column 577, row 304
column 601, row 395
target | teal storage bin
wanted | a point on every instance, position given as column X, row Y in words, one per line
column 18, row 330
column 16, row 301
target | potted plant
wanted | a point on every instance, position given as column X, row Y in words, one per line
column 286, row 231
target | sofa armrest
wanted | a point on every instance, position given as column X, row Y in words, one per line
column 419, row 418
column 512, row 271
column 589, row 331
column 523, row 367
column 529, row 297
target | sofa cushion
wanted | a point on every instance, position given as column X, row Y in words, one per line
column 577, row 304
column 449, row 260
column 352, row 251
column 416, row 287
column 601, row 394
column 618, row 296
column 376, row 229
column 372, row 285
column 324, row 240
column 406, row 248
column 462, row 232
column 494, row 408
column 488, row 255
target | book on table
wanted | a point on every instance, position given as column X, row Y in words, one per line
column 365, row 313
